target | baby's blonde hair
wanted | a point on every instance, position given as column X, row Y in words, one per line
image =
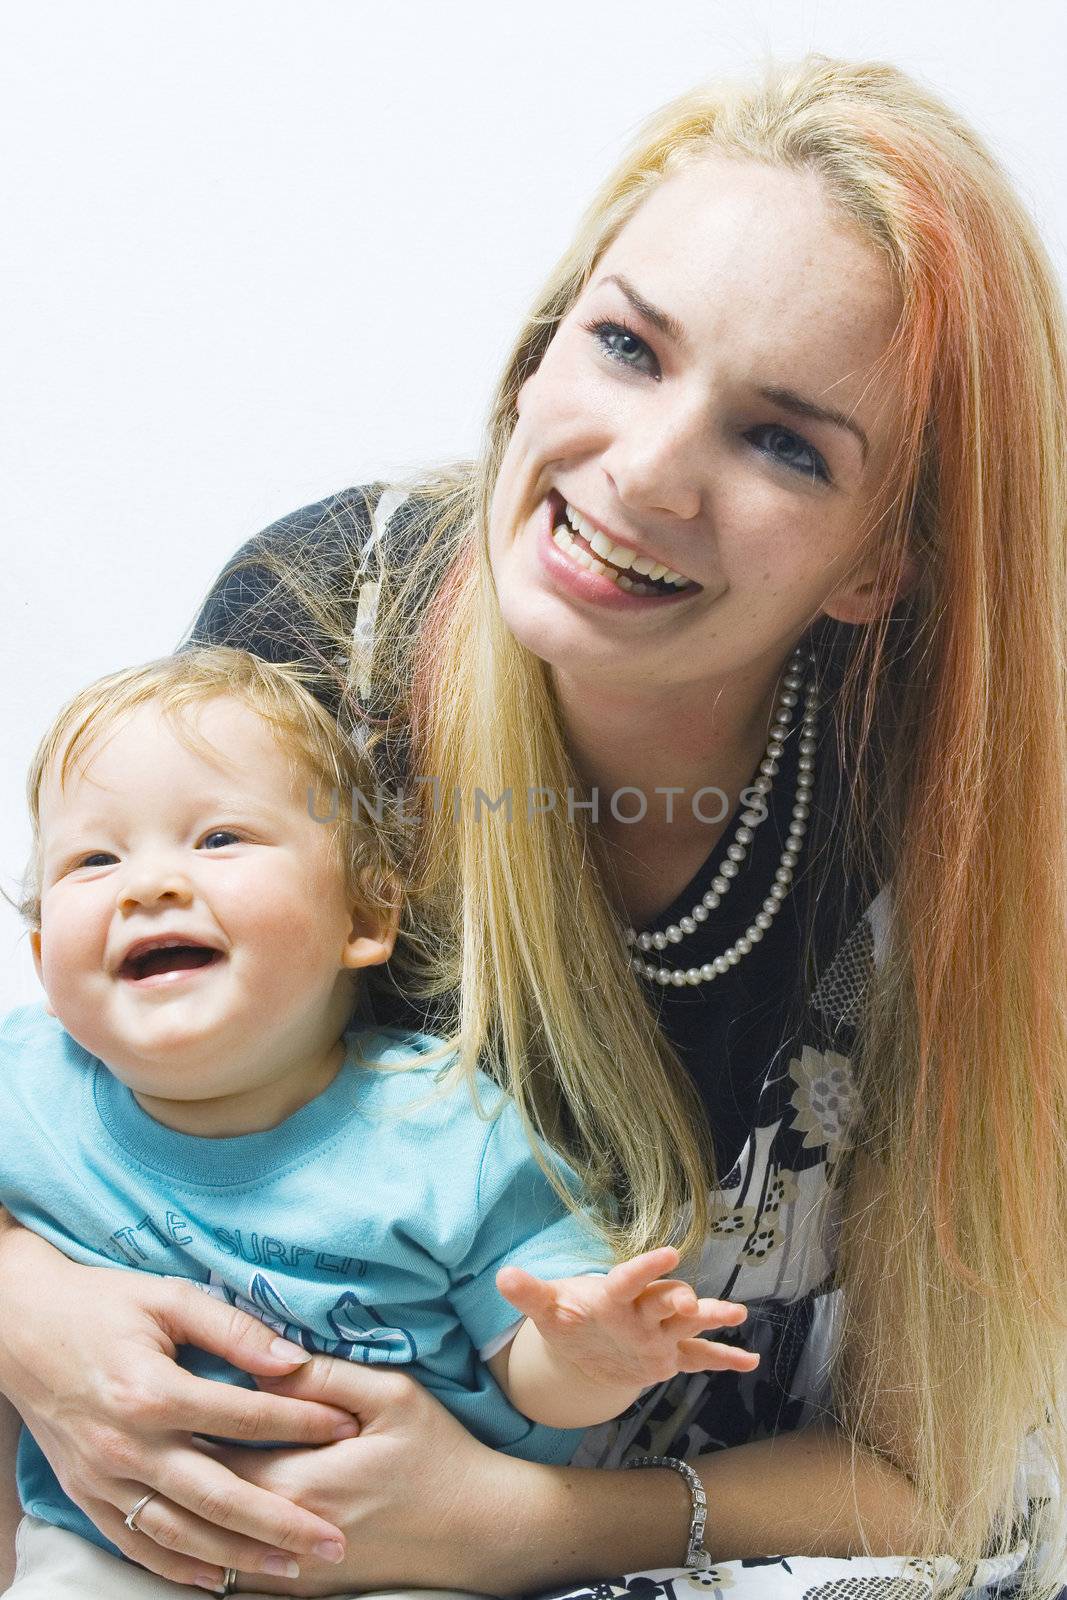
column 304, row 730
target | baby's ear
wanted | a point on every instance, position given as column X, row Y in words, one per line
column 35, row 947
column 375, row 920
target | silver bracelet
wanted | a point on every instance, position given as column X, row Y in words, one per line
column 696, row 1557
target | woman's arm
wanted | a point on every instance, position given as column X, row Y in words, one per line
column 422, row 1503
column 87, row 1355
column 10, row 1509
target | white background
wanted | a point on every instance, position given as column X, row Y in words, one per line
column 254, row 250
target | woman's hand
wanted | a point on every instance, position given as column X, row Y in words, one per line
column 87, row 1356
column 421, row 1502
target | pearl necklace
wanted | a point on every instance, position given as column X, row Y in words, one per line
column 738, row 849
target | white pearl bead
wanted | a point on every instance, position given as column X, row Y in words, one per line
column 693, row 976
column 744, row 944
column 752, row 819
column 788, row 697
column 707, row 972
column 659, row 941
column 721, row 964
column 711, row 900
column 755, row 933
column 720, row 885
column 783, row 875
column 733, row 955
column 678, row 977
column 763, row 920
column 744, row 835
column 687, row 925
column 736, row 852
column 700, row 913
column 674, row 934
column 644, row 941
column 768, row 767
column 663, row 975
column 728, row 869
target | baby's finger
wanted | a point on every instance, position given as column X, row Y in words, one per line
column 667, row 1298
column 720, row 1313
column 626, row 1281
column 702, row 1355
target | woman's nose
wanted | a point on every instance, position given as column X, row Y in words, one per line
column 147, row 883
column 658, row 464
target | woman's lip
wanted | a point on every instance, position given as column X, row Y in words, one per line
column 582, row 584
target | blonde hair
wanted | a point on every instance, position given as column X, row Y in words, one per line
column 951, row 723
column 306, row 733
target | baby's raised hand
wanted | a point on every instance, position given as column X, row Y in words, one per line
column 630, row 1326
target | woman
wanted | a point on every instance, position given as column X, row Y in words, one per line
column 800, row 382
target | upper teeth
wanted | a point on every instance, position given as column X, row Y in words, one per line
column 619, row 554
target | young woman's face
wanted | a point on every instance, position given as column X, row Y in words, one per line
column 672, row 416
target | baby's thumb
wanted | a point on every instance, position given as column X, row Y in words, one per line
column 522, row 1290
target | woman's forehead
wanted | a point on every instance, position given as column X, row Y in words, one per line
column 757, row 265
column 745, row 216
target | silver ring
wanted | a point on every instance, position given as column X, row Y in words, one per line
column 131, row 1517
column 229, row 1580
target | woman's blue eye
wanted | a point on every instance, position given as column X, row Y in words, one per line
column 623, row 345
column 226, row 834
column 808, row 461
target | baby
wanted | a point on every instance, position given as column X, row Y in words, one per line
column 196, row 1100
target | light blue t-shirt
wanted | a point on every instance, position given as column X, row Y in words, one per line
column 369, row 1225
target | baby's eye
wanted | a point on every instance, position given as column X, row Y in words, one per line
column 98, row 858
column 226, row 835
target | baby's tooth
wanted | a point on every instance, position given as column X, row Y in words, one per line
column 658, row 571
column 643, row 564
column 600, row 544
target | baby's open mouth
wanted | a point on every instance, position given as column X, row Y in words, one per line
column 593, row 550
column 169, row 956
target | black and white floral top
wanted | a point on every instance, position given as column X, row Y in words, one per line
column 776, row 1080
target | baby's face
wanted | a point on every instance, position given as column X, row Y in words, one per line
column 195, row 927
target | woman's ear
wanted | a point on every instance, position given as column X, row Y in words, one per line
column 374, row 926
column 862, row 599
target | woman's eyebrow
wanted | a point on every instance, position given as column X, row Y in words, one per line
column 659, row 319
column 788, row 399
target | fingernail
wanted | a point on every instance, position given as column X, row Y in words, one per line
column 346, row 1430
column 284, row 1351
column 281, row 1567
column 330, row 1550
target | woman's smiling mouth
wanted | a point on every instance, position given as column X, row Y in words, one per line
column 623, row 567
